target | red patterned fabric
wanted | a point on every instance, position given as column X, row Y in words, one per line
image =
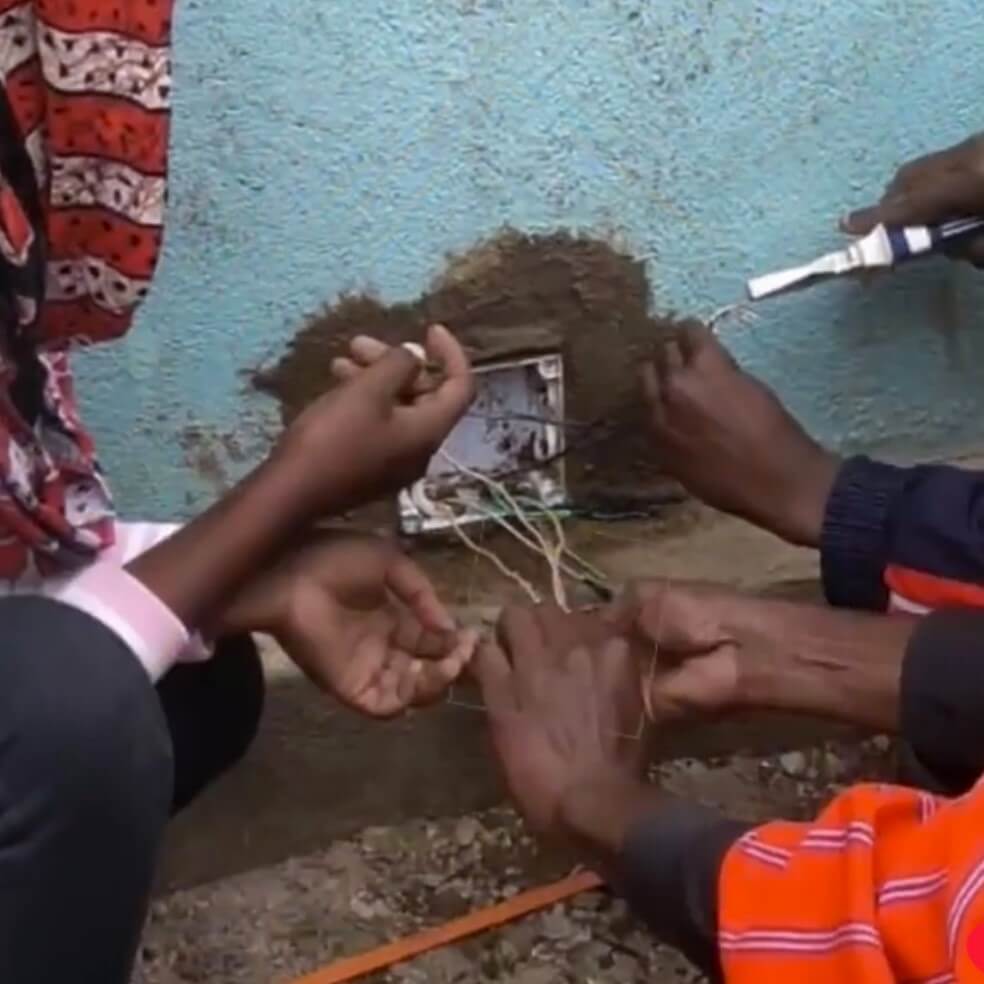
column 86, row 88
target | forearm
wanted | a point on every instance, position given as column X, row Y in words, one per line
column 920, row 677
column 196, row 570
column 809, row 659
column 670, row 859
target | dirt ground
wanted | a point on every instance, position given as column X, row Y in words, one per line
column 274, row 924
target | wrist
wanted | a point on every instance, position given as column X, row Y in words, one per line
column 755, row 628
column 806, row 500
column 318, row 487
column 597, row 812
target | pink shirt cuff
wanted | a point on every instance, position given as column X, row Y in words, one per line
column 149, row 628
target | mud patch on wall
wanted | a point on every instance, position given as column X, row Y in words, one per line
column 500, row 298
column 202, row 454
column 219, row 457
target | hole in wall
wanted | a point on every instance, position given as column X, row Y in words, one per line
column 513, row 295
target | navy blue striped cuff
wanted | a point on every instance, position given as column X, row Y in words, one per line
column 854, row 543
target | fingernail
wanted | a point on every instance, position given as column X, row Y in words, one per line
column 444, row 622
column 417, row 351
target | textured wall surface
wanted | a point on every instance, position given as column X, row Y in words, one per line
column 324, row 145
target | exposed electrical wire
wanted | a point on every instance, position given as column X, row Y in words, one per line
column 491, row 556
column 525, row 530
column 588, row 575
column 549, row 551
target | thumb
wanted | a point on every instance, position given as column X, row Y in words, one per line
column 683, row 622
column 678, row 618
column 703, row 684
column 445, row 404
column 393, row 373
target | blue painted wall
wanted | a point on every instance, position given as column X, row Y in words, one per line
column 321, row 145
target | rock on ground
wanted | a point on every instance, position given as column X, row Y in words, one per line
column 274, row 924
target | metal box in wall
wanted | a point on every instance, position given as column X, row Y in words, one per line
column 513, row 432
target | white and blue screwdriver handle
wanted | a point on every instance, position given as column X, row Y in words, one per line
column 882, row 249
column 912, row 242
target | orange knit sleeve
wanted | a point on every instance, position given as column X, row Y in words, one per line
column 884, row 888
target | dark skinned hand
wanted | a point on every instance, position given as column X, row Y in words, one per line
column 695, row 634
column 730, row 442
column 561, row 691
column 377, row 431
column 366, row 438
column 719, row 650
column 948, row 184
column 361, row 620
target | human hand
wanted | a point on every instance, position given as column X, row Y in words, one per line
column 361, row 620
column 365, row 351
column 562, row 694
column 696, row 640
column 376, row 432
column 930, row 190
column 713, row 649
column 728, row 440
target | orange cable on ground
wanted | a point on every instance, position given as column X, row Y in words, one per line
column 363, row 964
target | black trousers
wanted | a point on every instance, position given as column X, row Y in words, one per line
column 93, row 762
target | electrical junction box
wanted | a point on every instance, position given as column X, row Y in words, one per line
column 513, row 433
